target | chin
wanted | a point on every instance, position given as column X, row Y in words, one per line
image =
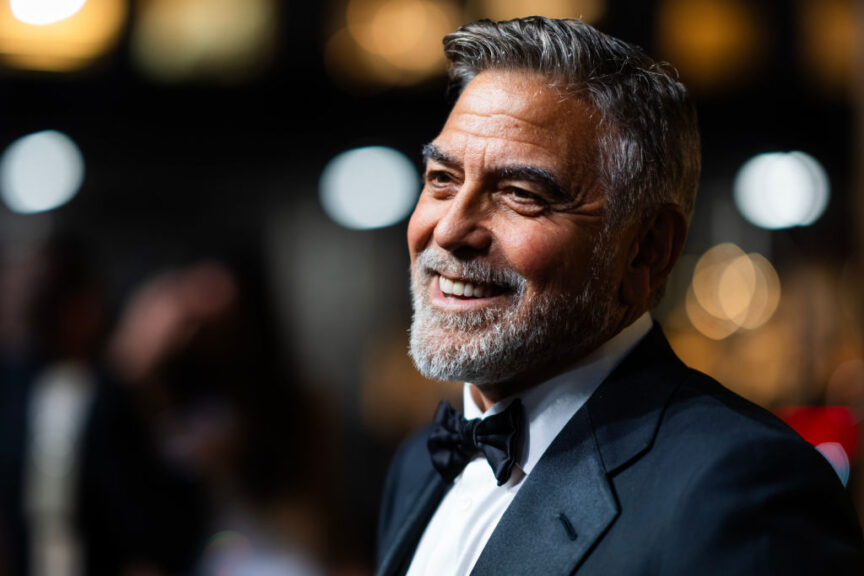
column 551, row 332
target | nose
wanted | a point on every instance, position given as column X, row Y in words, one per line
column 463, row 227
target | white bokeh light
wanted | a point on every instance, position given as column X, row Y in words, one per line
column 781, row 190
column 837, row 457
column 369, row 187
column 44, row 12
column 40, row 172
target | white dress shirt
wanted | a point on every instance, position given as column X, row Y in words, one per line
column 471, row 509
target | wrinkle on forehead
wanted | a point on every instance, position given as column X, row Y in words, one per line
column 514, row 94
column 499, row 126
column 501, row 117
column 462, row 139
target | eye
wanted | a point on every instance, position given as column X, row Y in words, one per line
column 525, row 195
column 439, row 178
column 524, row 201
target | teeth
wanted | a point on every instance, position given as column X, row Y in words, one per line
column 460, row 288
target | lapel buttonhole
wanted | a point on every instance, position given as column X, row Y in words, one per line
column 568, row 526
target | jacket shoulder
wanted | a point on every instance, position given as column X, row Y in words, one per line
column 746, row 483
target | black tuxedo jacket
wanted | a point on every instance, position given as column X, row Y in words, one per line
column 662, row 471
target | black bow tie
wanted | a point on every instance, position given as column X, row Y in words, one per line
column 455, row 441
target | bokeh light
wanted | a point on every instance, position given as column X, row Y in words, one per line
column 369, row 187
column 765, row 296
column 731, row 290
column 588, row 10
column 781, row 190
column 833, row 430
column 831, row 43
column 713, row 43
column 707, row 324
column 40, row 172
column 390, row 42
column 837, row 457
column 42, row 12
column 846, row 385
column 175, row 40
column 708, row 273
column 71, row 34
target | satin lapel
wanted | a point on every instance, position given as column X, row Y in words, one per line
column 395, row 561
column 562, row 510
column 626, row 409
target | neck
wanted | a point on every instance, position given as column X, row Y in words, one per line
column 487, row 394
column 483, row 401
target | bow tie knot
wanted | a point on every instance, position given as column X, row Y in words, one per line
column 454, row 441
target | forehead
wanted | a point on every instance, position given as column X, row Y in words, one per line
column 505, row 116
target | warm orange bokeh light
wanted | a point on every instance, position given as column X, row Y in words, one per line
column 831, row 42
column 731, row 290
column 711, row 42
column 390, row 42
column 67, row 45
column 588, row 10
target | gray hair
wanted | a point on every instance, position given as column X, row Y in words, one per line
column 648, row 151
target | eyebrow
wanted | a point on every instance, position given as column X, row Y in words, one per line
column 432, row 152
column 527, row 173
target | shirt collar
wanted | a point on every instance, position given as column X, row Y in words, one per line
column 551, row 404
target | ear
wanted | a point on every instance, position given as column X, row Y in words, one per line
column 653, row 252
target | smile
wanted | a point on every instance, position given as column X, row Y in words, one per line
column 464, row 289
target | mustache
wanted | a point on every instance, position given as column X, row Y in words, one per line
column 431, row 263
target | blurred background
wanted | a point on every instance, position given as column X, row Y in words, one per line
column 203, row 273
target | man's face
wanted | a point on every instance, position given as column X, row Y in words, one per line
column 509, row 278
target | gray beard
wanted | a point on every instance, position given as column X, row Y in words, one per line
column 500, row 344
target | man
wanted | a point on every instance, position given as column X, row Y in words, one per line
column 556, row 201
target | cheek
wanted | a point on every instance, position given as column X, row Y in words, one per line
column 420, row 226
column 545, row 259
column 535, row 257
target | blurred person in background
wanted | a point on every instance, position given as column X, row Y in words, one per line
column 166, row 447
column 75, row 463
column 51, row 315
column 192, row 345
column 556, row 201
